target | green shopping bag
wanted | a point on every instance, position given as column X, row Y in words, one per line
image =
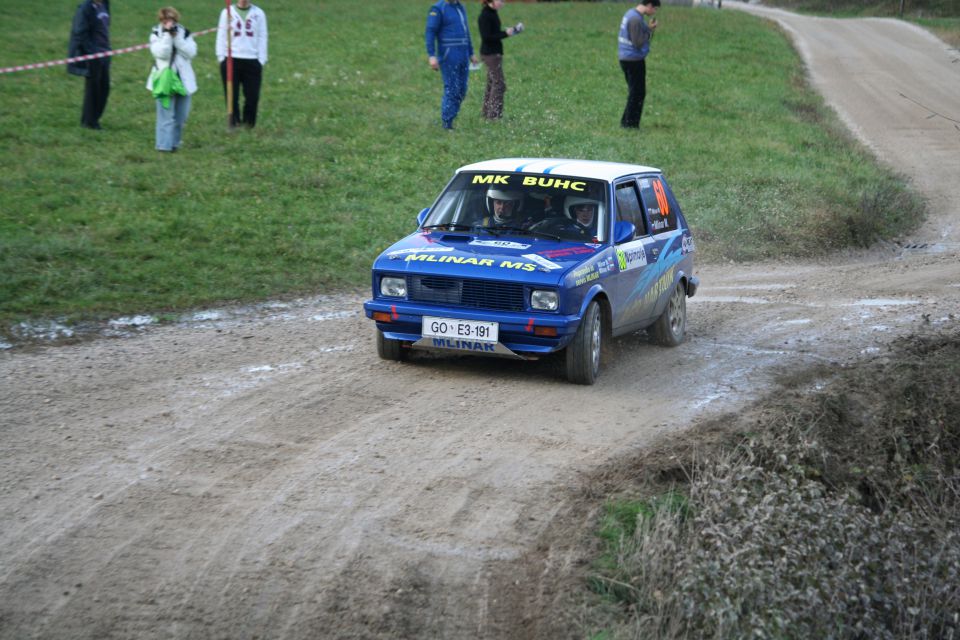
column 166, row 82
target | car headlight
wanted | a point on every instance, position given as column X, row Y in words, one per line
column 544, row 300
column 393, row 287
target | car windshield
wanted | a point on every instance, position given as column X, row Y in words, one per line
column 558, row 207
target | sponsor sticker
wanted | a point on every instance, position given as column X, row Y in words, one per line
column 491, row 179
column 631, row 255
column 585, row 274
column 568, row 251
column 554, row 183
column 500, row 244
column 400, row 252
column 477, row 262
column 543, row 262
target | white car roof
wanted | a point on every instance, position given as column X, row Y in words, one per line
column 564, row 167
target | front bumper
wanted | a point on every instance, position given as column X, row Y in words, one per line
column 517, row 329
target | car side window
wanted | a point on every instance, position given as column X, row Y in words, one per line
column 653, row 192
column 674, row 205
column 628, row 206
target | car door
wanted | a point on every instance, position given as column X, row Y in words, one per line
column 664, row 244
column 637, row 264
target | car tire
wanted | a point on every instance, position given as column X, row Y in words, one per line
column 390, row 349
column 671, row 327
column 583, row 353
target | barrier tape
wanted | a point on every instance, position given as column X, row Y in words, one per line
column 90, row 56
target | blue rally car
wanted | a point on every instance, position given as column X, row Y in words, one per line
column 522, row 257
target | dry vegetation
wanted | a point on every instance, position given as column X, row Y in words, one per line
column 832, row 514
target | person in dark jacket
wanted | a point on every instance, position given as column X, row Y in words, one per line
column 633, row 47
column 491, row 52
column 90, row 33
column 449, row 50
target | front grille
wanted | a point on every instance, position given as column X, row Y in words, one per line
column 476, row 294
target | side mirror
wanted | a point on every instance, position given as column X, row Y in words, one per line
column 422, row 216
column 623, row 231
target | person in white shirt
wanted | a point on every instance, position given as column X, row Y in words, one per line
column 248, row 48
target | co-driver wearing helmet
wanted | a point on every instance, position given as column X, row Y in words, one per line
column 583, row 213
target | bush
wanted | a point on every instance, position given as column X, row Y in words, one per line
column 837, row 517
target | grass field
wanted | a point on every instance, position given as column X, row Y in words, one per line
column 941, row 17
column 348, row 149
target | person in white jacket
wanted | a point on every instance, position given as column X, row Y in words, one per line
column 172, row 45
column 248, row 48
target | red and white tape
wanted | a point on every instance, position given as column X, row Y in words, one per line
column 92, row 56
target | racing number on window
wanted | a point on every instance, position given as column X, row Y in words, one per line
column 662, row 201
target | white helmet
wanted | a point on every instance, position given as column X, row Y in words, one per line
column 515, row 197
column 572, row 201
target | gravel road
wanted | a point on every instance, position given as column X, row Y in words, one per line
column 260, row 473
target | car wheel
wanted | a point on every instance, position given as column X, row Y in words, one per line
column 390, row 349
column 671, row 326
column 583, row 354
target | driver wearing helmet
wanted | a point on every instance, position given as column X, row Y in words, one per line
column 583, row 213
column 503, row 208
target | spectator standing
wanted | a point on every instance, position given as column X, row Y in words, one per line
column 450, row 50
column 633, row 48
column 90, row 33
column 491, row 52
column 172, row 45
column 248, row 46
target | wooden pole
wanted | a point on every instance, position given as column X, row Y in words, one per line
column 229, row 68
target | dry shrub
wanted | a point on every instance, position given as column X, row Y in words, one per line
column 836, row 518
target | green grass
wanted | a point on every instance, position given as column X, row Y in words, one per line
column 911, row 8
column 348, row 149
column 941, row 17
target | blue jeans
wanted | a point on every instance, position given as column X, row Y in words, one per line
column 170, row 122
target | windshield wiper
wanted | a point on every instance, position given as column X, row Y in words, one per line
column 450, row 226
column 544, row 234
column 497, row 230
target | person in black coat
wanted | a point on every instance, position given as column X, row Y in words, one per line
column 90, row 33
column 491, row 52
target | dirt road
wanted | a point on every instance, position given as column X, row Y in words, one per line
column 259, row 473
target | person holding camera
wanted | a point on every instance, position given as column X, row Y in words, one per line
column 491, row 52
column 173, row 48
column 633, row 45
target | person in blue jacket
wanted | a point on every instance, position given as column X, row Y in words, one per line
column 450, row 50
column 89, row 34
